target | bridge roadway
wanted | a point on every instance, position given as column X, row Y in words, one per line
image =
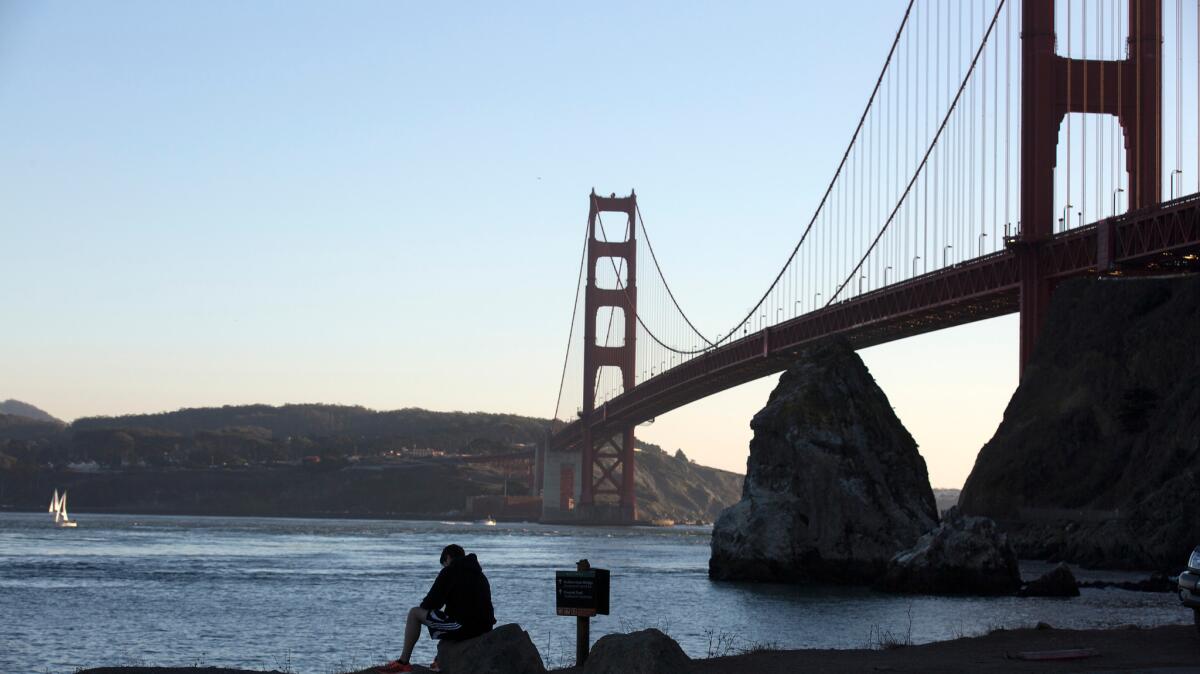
column 1165, row 238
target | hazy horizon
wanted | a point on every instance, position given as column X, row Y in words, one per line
column 917, row 419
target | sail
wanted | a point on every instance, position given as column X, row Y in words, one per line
column 63, row 507
column 53, row 503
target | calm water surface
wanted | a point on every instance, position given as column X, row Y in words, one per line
column 319, row 596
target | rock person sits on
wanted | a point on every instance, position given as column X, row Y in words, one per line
column 458, row 607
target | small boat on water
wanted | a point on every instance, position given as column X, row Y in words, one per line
column 58, row 506
column 488, row 522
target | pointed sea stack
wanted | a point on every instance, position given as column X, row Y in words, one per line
column 834, row 484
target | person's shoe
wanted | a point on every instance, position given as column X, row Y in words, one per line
column 393, row 667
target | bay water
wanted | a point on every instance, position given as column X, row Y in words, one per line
column 330, row 595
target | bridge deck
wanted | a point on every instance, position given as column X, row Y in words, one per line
column 1166, row 238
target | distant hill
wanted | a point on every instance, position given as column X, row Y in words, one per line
column 945, row 498
column 20, row 409
column 410, row 427
column 20, row 428
column 315, row 459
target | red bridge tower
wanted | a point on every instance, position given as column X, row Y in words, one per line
column 1133, row 94
column 606, row 488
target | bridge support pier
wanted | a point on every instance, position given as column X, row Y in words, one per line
column 1133, row 95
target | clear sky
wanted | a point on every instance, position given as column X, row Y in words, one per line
column 380, row 203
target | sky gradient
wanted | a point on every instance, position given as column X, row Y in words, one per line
column 209, row 203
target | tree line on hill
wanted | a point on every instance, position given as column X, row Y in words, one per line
column 255, row 435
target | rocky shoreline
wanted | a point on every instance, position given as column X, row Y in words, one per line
column 1173, row 648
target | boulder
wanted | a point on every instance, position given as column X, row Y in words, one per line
column 1057, row 582
column 645, row 652
column 1098, row 452
column 505, row 650
column 834, row 484
column 963, row 556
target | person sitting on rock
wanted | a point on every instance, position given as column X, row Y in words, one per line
column 458, row 606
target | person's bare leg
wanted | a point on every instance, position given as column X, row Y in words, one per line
column 412, row 631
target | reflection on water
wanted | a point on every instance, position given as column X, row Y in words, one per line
column 323, row 595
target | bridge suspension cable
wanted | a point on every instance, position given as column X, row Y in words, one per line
column 924, row 159
column 812, row 221
column 926, row 181
column 571, row 332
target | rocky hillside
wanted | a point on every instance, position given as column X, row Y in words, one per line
column 834, row 486
column 675, row 488
column 1097, row 459
column 19, row 409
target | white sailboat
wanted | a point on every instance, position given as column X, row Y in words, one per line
column 58, row 506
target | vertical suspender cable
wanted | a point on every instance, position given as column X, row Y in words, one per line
column 995, row 136
column 1123, row 131
column 1020, row 74
column 953, row 146
column 1158, row 149
column 888, row 145
column 862, row 200
column 1083, row 165
column 1007, row 113
column 893, row 152
column 971, row 138
column 839, row 234
column 902, row 239
column 1178, row 95
column 965, row 139
column 1100, row 149
column 983, row 92
column 924, row 159
column 958, row 162
column 1066, row 199
column 877, row 187
column 939, row 190
column 925, row 128
column 1111, row 139
column 1135, row 30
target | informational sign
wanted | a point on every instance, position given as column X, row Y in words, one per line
column 581, row 593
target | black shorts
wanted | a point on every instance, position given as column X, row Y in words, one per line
column 442, row 627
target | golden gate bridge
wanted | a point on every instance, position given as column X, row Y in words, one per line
column 1005, row 145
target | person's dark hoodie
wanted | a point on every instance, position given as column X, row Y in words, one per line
column 463, row 589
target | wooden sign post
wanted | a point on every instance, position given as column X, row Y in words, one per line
column 582, row 593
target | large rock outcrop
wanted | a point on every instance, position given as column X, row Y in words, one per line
column 962, row 556
column 1097, row 459
column 834, row 483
